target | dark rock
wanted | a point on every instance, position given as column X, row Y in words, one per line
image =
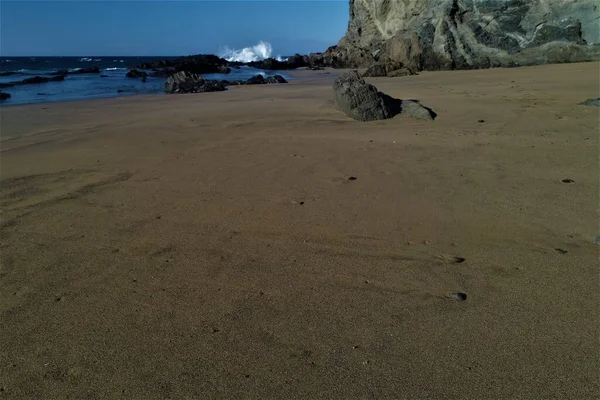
column 187, row 82
column 103, row 76
column 296, row 61
column 4, row 96
column 134, row 73
column 7, row 73
column 459, row 296
column 255, row 80
column 197, row 64
column 314, row 68
column 592, row 102
column 363, row 102
column 275, row 79
column 358, row 99
column 34, row 80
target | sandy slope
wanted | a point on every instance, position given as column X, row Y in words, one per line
column 212, row 246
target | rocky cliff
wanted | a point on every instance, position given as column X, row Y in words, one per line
column 463, row 34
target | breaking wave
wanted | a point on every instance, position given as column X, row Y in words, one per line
column 258, row 52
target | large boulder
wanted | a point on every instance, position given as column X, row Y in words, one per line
column 275, row 79
column 363, row 102
column 4, row 96
column 360, row 100
column 256, row 80
column 187, row 82
column 465, row 34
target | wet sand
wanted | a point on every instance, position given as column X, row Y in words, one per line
column 213, row 245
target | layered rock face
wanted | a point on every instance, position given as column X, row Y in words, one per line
column 463, row 34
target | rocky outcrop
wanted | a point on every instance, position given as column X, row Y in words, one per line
column 33, row 80
column 363, row 102
column 463, row 34
column 187, row 82
column 198, row 64
column 4, row 96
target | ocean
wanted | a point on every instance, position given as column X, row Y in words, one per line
column 92, row 86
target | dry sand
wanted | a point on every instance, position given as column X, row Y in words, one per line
column 212, row 246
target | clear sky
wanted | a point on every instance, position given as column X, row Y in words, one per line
column 167, row 27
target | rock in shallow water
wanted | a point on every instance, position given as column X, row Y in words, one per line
column 4, row 96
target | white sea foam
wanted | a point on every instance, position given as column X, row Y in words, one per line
column 258, row 52
column 114, row 69
column 85, row 59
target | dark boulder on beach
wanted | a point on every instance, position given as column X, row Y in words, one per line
column 7, row 73
column 363, row 102
column 134, row 73
column 256, row 80
column 187, row 82
column 275, row 79
column 4, row 96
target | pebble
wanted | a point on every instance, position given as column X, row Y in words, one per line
column 460, row 296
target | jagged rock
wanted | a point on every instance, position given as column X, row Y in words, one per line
column 134, row 73
column 255, row 80
column 363, row 102
column 592, row 102
column 197, row 64
column 464, row 34
column 187, row 82
column 360, row 100
column 275, row 79
column 4, row 96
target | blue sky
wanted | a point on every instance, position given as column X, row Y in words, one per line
column 67, row 28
